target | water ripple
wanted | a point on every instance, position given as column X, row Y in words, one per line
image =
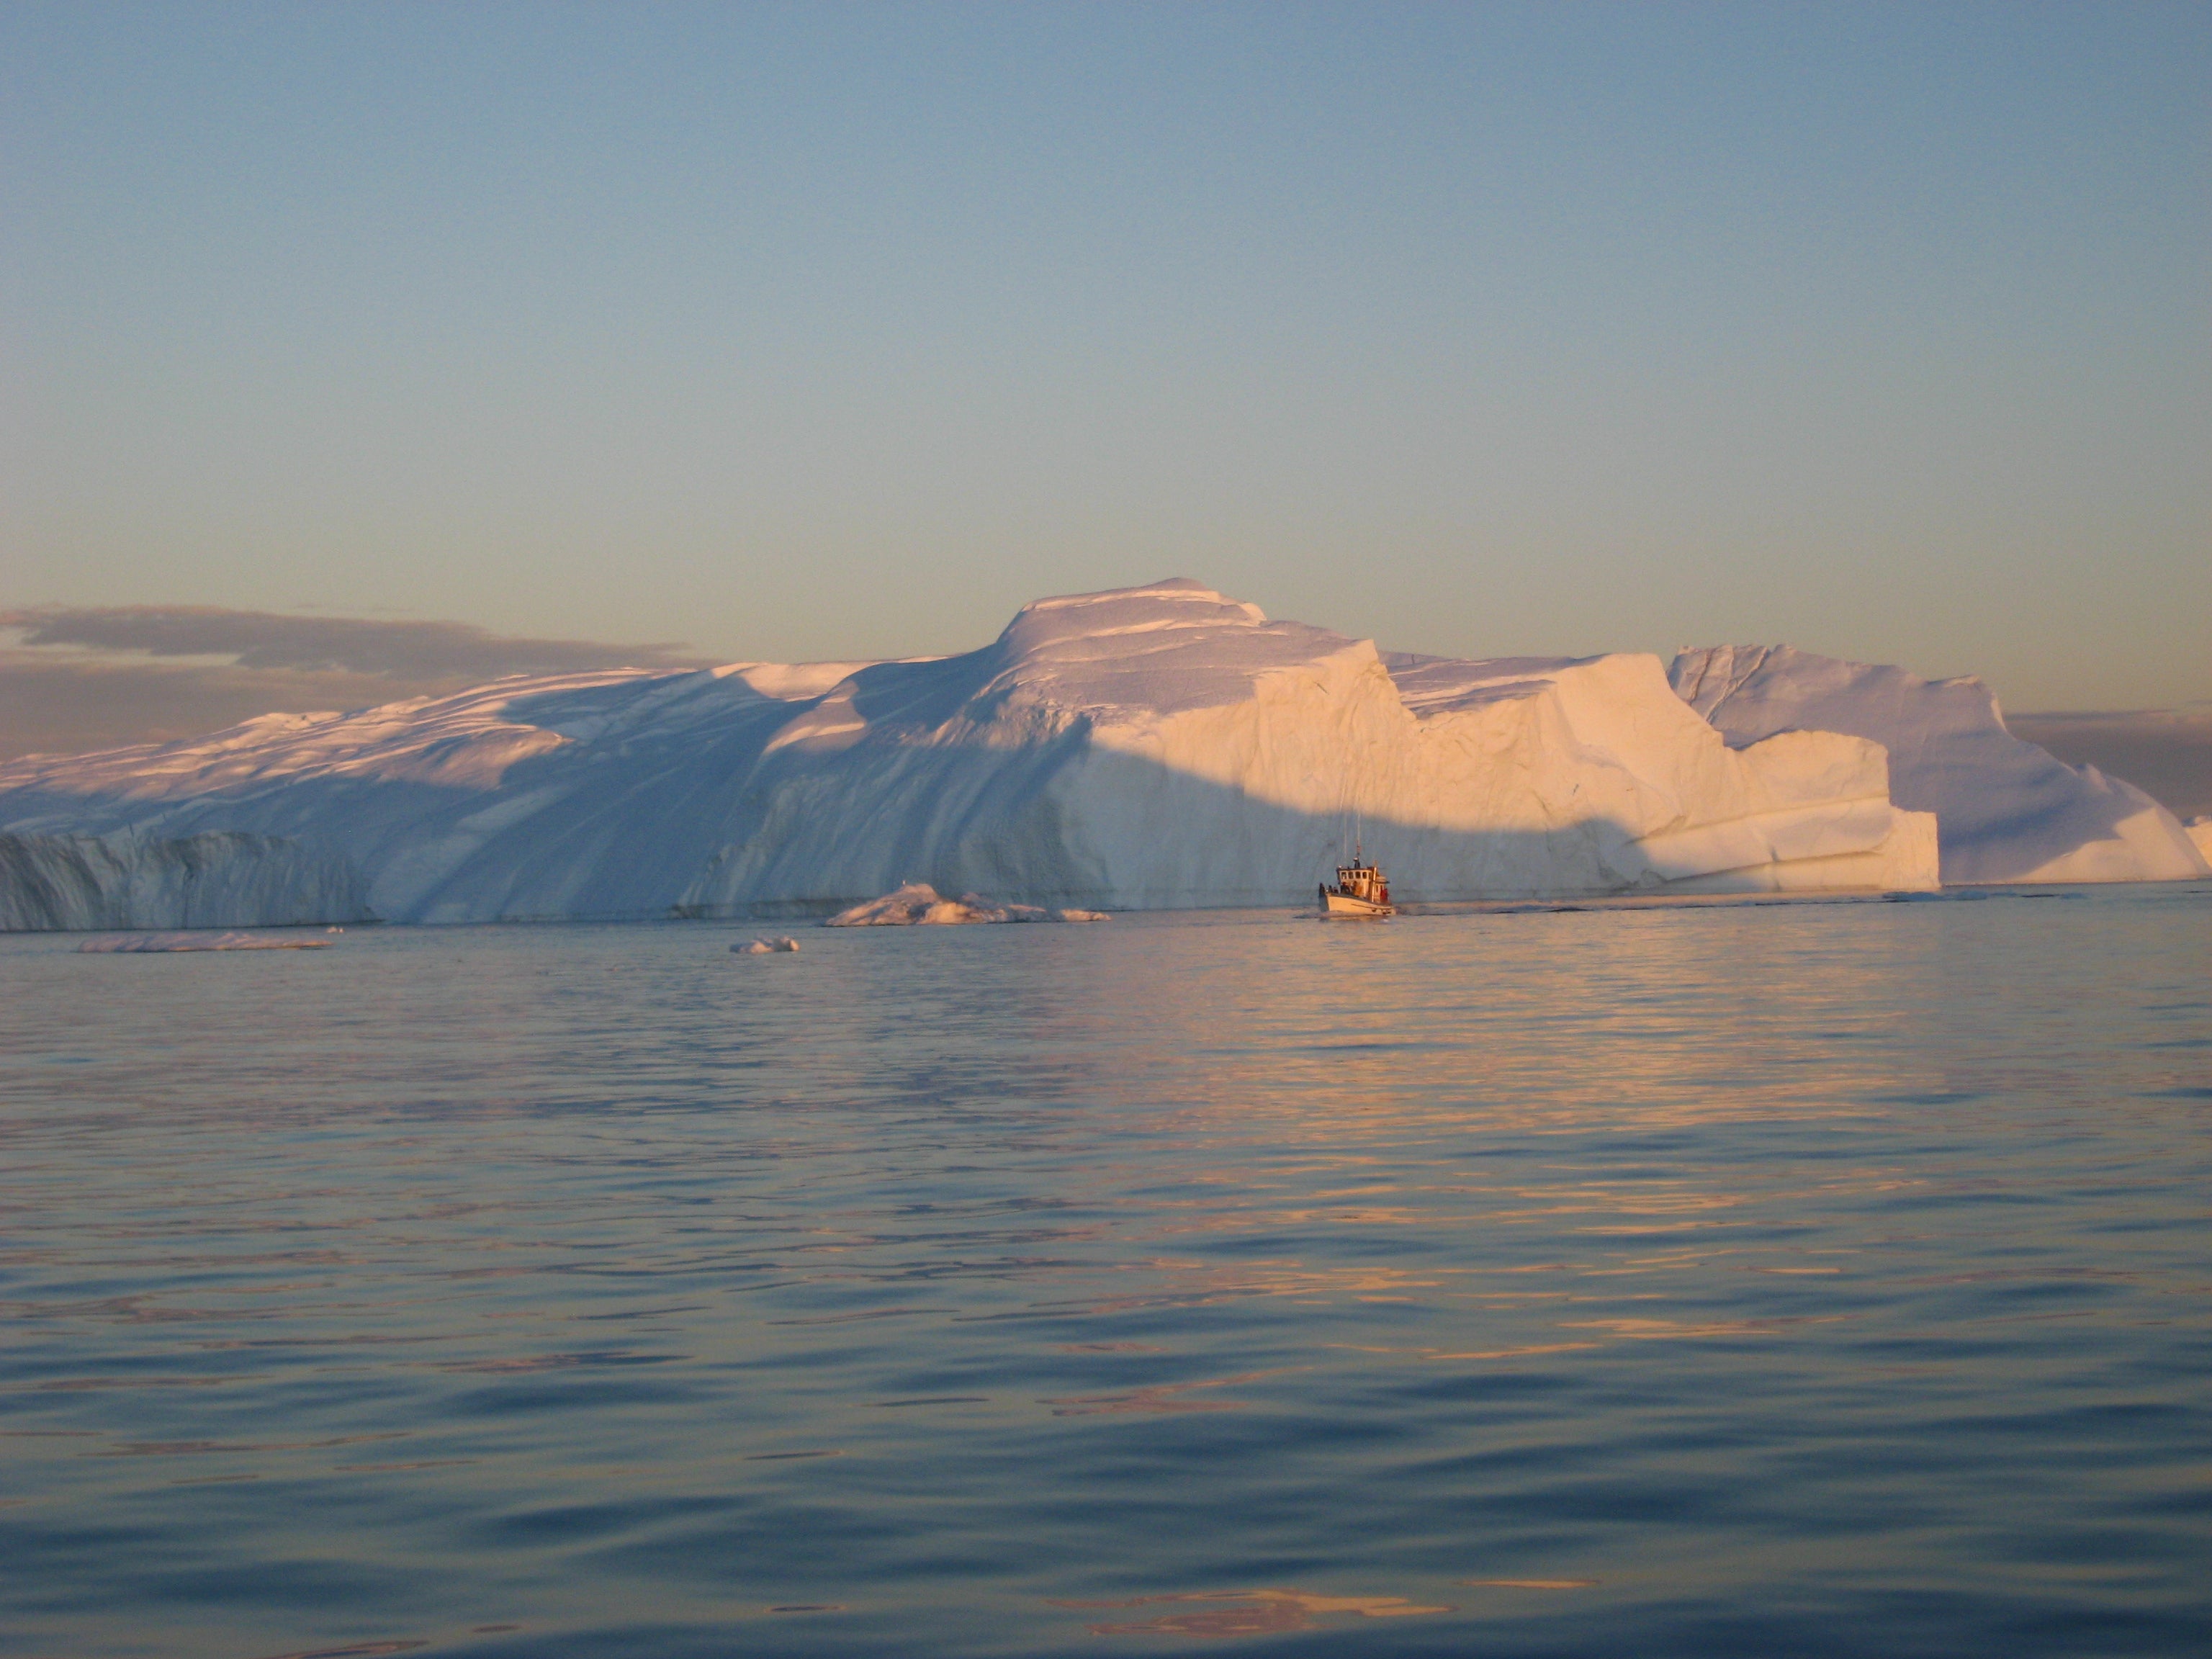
column 1826, row 1280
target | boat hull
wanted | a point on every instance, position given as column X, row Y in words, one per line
column 1343, row 904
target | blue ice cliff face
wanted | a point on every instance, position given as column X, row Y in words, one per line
column 129, row 880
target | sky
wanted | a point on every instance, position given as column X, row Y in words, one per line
column 665, row 333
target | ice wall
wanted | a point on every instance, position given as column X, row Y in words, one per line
column 129, row 880
column 1168, row 747
column 1155, row 747
column 2007, row 811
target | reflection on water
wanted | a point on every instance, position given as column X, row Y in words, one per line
column 1248, row 1613
column 1823, row 1278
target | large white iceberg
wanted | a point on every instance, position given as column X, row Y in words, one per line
column 2007, row 811
column 1149, row 748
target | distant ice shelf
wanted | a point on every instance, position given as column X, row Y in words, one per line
column 1156, row 747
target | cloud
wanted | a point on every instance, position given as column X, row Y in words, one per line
column 83, row 679
column 264, row 640
column 2166, row 751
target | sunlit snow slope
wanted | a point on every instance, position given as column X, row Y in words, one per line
column 2007, row 810
column 1153, row 747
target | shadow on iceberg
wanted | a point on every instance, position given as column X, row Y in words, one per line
column 1060, row 823
column 1076, row 826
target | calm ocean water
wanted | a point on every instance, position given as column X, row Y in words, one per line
column 1807, row 1280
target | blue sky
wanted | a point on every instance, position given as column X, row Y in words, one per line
column 816, row 331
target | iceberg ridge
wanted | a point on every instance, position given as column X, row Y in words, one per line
column 2007, row 811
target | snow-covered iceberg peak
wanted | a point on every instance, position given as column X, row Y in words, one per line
column 1149, row 651
column 1178, row 602
column 2007, row 811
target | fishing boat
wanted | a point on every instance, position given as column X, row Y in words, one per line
column 1361, row 889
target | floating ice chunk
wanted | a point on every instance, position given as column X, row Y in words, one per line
column 164, row 944
column 763, row 947
column 918, row 905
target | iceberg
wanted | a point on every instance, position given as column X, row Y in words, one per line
column 763, row 947
column 1164, row 746
column 916, row 904
column 130, row 878
column 2200, row 833
column 2006, row 811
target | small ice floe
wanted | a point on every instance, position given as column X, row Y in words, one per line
column 763, row 947
column 162, row 943
column 918, row 904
